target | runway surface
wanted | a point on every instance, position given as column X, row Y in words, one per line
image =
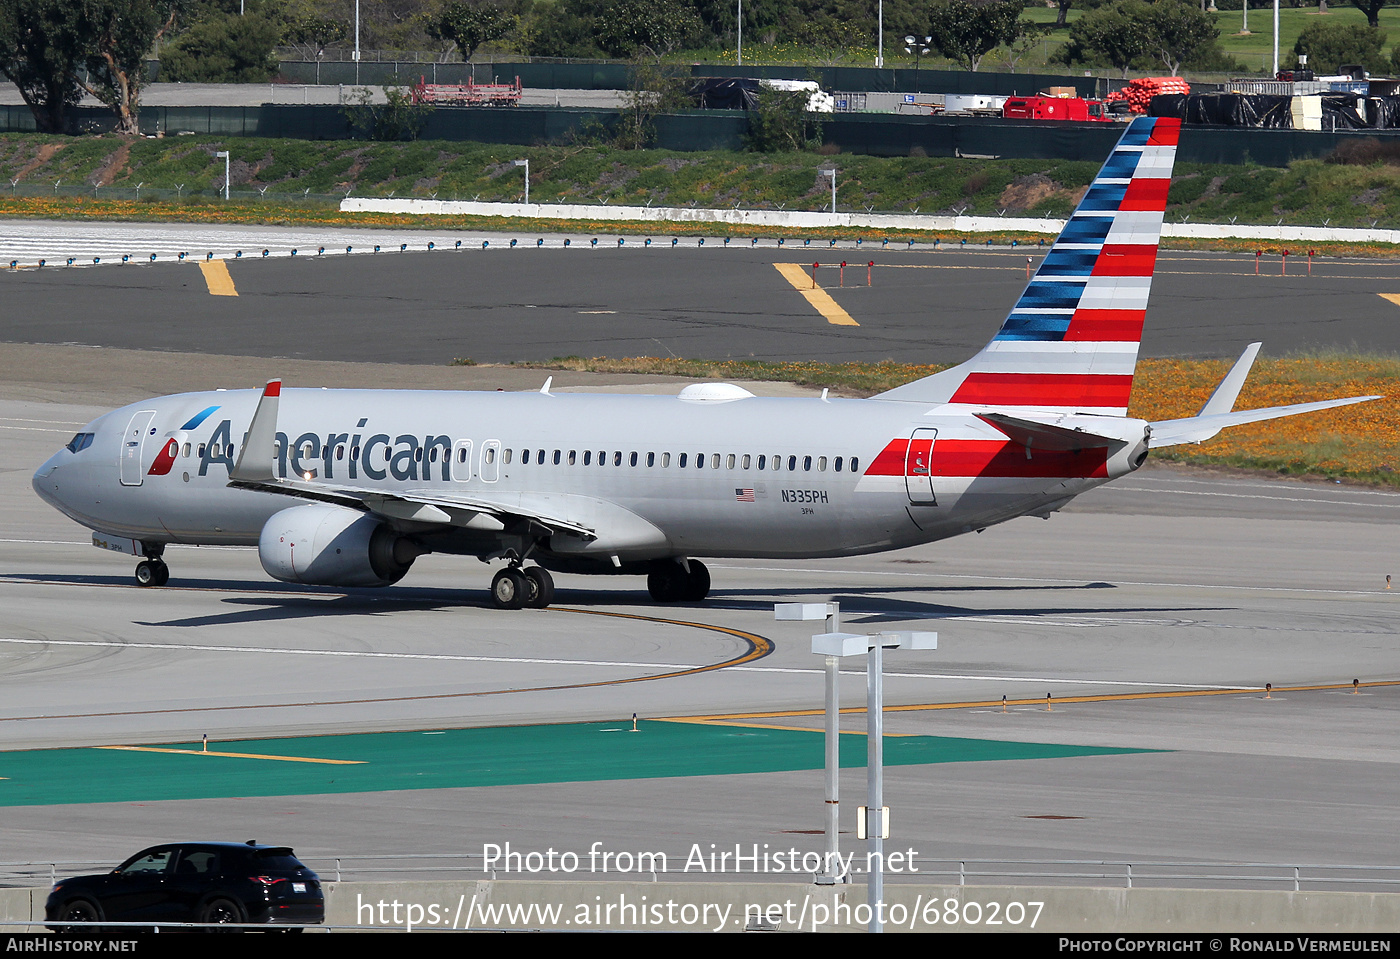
column 1153, row 611
column 500, row 304
column 1169, row 583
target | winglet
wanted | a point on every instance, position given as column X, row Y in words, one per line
column 1223, row 399
column 547, row 381
column 260, row 448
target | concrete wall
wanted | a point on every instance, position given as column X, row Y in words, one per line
column 721, row 906
column 779, row 219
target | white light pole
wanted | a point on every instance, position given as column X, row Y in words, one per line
column 357, row 41
column 1275, row 38
column 880, row 40
column 832, row 873
column 831, row 172
column 741, row 33
column 224, row 154
column 875, row 823
column 526, row 165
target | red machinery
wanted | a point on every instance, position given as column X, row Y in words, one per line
column 469, row 94
column 1055, row 108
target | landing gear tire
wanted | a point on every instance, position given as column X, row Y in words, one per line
column 152, row 572
column 666, row 583
column 540, row 587
column 510, row 589
column 670, row 583
column 697, row 583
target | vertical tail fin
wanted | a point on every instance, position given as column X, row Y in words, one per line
column 1070, row 344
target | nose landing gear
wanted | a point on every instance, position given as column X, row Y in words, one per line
column 152, row 571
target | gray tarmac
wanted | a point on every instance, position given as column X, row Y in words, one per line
column 1172, row 581
column 1169, row 582
column 502, row 305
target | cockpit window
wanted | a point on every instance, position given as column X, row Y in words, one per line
column 80, row 442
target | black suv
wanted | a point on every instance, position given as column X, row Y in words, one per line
column 214, row 882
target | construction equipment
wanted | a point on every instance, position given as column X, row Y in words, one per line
column 469, row 94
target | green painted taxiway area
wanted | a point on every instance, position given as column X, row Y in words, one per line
column 514, row 755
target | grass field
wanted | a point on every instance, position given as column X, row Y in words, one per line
column 1254, row 51
column 61, row 176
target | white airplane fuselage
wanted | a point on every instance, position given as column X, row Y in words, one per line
column 350, row 487
column 651, row 476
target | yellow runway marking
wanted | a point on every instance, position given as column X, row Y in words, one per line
column 217, row 276
column 745, row 719
column 821, row 301
column 787, row 729
column 200, row 752
column 1392, row 297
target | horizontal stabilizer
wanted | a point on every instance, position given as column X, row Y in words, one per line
column 1197, row 429
column 1047, row 436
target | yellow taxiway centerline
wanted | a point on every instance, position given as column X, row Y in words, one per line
column 796, row 274
column 746, row 719
column 217, row 276
column 200, row 752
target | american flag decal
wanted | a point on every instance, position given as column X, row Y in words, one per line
column 744, row 495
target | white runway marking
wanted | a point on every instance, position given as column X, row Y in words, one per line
column 368, row 654
column 1039, row 580
column 1277, row 499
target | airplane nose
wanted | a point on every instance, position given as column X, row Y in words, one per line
column 45, row 481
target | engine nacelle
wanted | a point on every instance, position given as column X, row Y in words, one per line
column 322, row 545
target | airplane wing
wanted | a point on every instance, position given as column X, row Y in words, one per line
column 253, row 471
column 1219, row 413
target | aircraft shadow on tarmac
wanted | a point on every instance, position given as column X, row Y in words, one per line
column 274, row 602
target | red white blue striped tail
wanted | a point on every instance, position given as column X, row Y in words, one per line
column 1071, row 342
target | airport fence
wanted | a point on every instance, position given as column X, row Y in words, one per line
column 693, row 130
column 563, row 74
column 1099, row 873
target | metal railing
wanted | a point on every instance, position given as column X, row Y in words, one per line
column 1119, row 873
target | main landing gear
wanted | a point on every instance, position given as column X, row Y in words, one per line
column 515, row 587
column 152, row 571
column 672, row 582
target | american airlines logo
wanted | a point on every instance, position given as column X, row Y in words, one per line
column 405, row 457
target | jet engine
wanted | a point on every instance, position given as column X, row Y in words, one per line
column 322, row 545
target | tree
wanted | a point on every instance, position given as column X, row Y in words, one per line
column 43, row 44
column 652, row 89
column 781, row 122
column 1180, row 32
column 1372, row 9
column 312, row 33
column 223, row 48
column 470, row 23
column 1118, row 34
column 399, row 117
column 1329, row 45
column 126, row 30
column 661, row 26
column 966, row 32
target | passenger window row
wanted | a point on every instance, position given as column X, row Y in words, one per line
column 746, row 461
